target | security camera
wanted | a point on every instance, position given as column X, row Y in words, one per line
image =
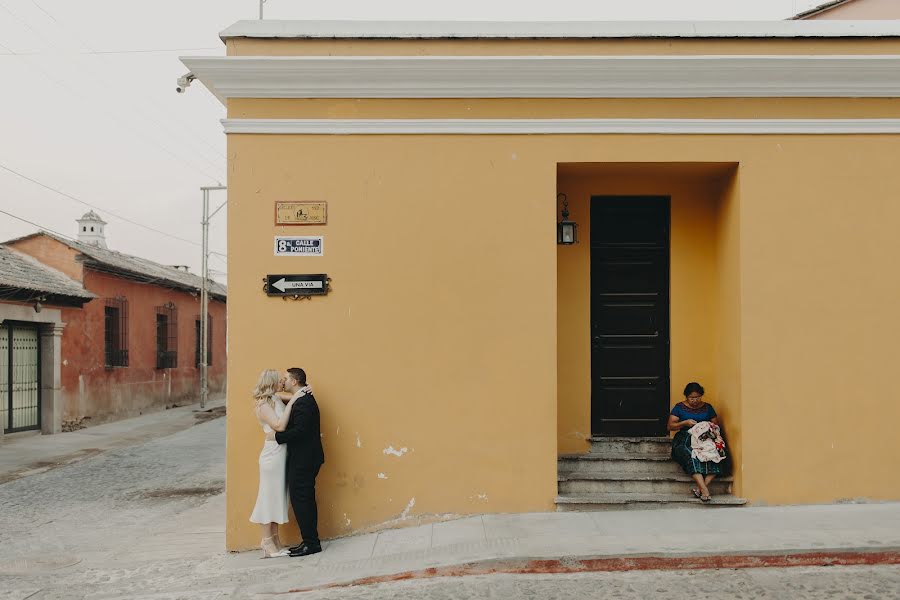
column 184, row 82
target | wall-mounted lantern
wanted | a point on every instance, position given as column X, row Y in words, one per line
column 566, row 230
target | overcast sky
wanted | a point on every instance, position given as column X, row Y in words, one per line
column 88, row 104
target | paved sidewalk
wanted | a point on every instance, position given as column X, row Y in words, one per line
column 31, row 453
column 518, row 542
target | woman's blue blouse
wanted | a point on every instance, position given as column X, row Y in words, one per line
column 704, row 413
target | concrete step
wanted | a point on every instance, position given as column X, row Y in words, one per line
column 632, row 445
column 609, row 462
column 631, row 501
column 606, row 483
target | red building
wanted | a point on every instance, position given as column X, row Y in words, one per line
column 32, row 296
column 135, row 347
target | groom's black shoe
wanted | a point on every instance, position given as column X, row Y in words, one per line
column 306, row 549
column 300, row 545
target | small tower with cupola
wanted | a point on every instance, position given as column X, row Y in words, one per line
column 90, row 230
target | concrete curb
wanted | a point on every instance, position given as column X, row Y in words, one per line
column 582, row 564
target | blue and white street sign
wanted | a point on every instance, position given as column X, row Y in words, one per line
column 299, row 245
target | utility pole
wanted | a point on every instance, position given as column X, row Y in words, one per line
column 261, row 2
column 204, row 293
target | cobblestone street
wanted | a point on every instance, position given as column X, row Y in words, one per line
column 120, row 523
column 146, row 522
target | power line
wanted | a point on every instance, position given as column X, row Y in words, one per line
column 92, row 50
column 149, row 50
column 88, row 204
column 104, row 52
column 129, row 126
column 63, row 235
column 35, row 224
column 127, row 123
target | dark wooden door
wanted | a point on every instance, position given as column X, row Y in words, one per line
column 629, row 315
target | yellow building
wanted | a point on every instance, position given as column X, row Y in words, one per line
column 737, row 195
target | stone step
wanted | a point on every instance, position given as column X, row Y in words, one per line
column 617, row 463
column 631, row 501
column 632, row 445
column 597, row 456
column 605, row 483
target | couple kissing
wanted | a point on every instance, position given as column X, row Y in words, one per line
column 289, row 461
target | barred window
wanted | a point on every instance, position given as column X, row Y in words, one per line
column 116, row 332
column 166, row 336
column 209, row 328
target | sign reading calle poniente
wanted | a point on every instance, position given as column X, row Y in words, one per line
column 297, row 285
column 299, row 245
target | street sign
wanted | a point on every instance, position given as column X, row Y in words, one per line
column 305, row 245
column 297, row 285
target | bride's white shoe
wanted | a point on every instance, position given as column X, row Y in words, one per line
column 270, row 550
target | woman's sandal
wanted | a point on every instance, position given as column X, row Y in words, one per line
column 705, row 498
column 270, row 550
column 696, row 493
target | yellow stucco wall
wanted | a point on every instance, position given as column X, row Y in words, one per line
column 564, row 108
column 440, row 335
column 819, row 319
column 438, row 339
column 456, row 329
column 728, row 293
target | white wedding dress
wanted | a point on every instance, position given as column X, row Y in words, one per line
column 272, row 500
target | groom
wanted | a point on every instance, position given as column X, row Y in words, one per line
column 305, row 458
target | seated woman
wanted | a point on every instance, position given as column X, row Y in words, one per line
column 684, row 416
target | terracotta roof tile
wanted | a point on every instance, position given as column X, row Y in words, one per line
column 143, row 269
column 21, row 271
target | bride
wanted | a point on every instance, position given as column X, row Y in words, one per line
column 272, row 500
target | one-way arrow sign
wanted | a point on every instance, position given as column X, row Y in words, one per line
column 284, row 285
column 297, row 285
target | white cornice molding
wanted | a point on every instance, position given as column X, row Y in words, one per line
column 286, row 29
column 721, row 76
column 561, row 126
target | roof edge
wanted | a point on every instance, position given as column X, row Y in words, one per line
column 99, row 264
column 77, row 291
column 136, row 276
column 22, row 238
column 821, row 8
column 277, row 29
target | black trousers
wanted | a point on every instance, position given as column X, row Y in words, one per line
column 302, row 486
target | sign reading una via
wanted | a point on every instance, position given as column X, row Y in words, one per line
column 299, row 245
column 297, row 285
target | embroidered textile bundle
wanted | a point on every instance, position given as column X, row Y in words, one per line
column 706, row 442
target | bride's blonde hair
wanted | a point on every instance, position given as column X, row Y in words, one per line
column 267, row 385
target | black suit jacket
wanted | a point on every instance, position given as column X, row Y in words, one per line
column 303, row 436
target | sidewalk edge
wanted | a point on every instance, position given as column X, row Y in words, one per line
column 655, row 562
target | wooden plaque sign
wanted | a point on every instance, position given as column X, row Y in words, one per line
column 301, row 213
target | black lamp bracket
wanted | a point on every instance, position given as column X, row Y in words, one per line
column 565, row 203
